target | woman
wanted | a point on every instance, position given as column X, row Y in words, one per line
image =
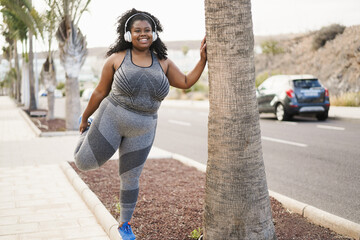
column 134, row 80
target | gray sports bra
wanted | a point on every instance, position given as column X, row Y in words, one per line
column 139, row 89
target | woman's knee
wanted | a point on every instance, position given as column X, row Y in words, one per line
column 84, row 163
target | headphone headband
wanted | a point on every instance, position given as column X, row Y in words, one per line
column 144, row 14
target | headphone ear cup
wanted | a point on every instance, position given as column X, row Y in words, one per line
column 127, row 36
column 155, row 36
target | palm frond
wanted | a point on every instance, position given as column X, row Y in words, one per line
column 16, row 26
column 84, row 9
column 72, row 49
column 23, row 11
column 19, row 13
column 58, row 11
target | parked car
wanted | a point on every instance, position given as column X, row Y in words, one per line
column 289, row 95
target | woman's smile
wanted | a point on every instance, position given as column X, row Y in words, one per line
column 141, row 31
column 144, row 40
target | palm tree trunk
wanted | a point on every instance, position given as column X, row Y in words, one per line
column 73, row 107
column 237, row 202
column 33, row 104
column 25, row 96
column 48, row 76
column 18, row 73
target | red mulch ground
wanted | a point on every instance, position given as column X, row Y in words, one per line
column 170, row 203
column 53, row 125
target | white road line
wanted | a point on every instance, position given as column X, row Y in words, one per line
column 290, row 123
column 180, row 123
column 330, row 127
column 284, row 141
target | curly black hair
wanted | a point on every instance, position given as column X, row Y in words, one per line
column 120, row 44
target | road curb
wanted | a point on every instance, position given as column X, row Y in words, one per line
column 106, row 220
column 34, row 128
column 39, row 133
column 314, row 215
column 319, row 217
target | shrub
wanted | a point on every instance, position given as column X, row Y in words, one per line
column 326, row 34
column 185, row 50
column 263, row 76
column 196, row 233
column 271, row 47
column 350, row 99
column 60, row 86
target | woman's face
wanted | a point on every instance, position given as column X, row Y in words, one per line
column 141, row 34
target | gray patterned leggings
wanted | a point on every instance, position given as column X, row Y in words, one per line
column 115, row 127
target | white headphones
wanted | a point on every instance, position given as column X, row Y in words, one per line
column 127, row 34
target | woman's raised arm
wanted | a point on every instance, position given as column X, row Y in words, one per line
column 178, row 79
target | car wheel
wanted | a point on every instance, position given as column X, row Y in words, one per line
column 322, row 116
column 281, row 113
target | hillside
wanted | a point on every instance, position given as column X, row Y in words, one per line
column 337, row 64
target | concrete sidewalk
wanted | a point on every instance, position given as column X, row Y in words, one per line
column 36, row 199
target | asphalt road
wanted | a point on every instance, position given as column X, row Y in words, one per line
column 313, row 162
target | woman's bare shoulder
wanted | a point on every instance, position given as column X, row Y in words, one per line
column 116, row 59
column 164, row 64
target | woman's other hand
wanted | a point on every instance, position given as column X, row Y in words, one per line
column 83, row 125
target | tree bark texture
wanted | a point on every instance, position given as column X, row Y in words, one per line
column 237, row 204
column 33, row 104
column 18, row 73
column 48, row 77
column 73, row 107
column 25, row 88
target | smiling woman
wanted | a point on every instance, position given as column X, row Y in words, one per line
column 134, row 80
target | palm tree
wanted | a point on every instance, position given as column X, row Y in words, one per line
column 48, row 73
column 237, row 202
column 22, row 11
column 73, row 52
column 13, row 30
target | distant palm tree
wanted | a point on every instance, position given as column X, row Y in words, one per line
column 23, row 12
column 48, row 72
column 73, row 52
column 237, row 204
column 13, row 30
column 48, row 78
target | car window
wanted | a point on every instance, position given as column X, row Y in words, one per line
column 306, row 83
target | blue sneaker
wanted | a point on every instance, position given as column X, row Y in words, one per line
column 126, row 232
column 90, row 119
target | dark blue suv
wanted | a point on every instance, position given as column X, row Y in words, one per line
column 289, row 95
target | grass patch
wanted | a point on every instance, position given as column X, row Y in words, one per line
column 350, row 99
